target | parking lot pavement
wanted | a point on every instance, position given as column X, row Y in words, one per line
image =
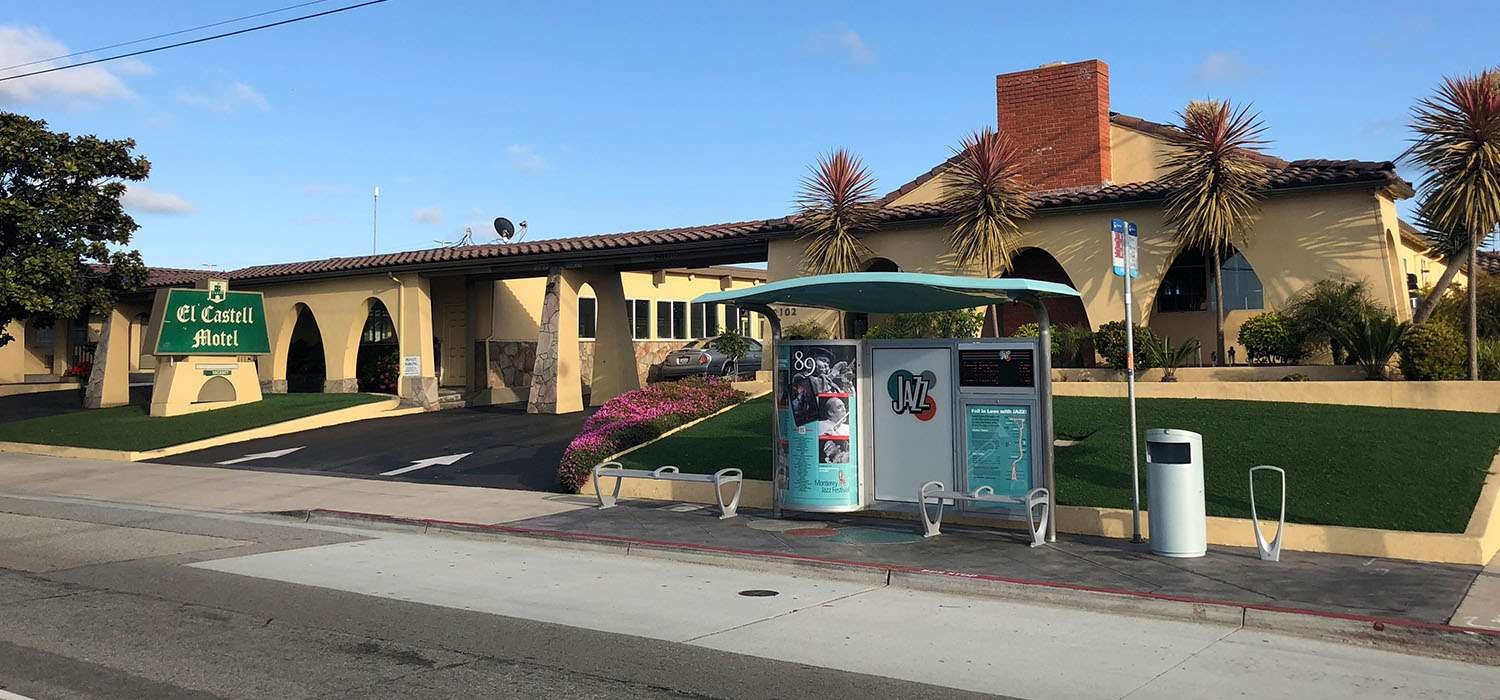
column 499, row 447
column 51, row 403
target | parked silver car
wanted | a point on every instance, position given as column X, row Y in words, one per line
column 701, row 358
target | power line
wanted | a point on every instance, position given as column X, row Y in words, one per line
column 193, row 41
column 163, row 36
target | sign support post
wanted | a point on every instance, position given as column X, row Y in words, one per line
column 1127, row 266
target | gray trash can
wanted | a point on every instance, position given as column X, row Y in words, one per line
column 1174, row 492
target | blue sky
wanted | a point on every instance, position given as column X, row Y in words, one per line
column 593, row 118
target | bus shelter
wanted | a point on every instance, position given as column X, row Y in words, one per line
column 878, row 424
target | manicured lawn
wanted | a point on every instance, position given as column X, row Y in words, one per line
column 1385, row 468
column 739, row 437
column 1396, row 469
column 130, row 428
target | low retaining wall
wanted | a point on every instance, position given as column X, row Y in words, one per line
column 1478, row 397
column 1249, row 373
column 37, row 387
column 1476, row 545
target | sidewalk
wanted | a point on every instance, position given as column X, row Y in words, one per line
column 1373, row 592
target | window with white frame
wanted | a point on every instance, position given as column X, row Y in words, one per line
column 705, row 320
column 638, row 314
column 671, row 320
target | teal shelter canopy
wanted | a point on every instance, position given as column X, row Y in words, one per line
column 891, row 292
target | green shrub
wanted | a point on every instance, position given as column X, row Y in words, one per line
column 1489, row 359
column 1169, row 357
column 1072, row 345
column 1432, row 351
column 806, row 330
column 1453, row 308
column 1272, row 338
column 1109, row 341
column 1296, row 377
column 1319, row 310
column 958, row 323
column 1371, row 340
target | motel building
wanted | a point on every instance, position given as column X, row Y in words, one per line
column 549, row 322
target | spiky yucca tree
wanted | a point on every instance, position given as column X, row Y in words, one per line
column 987, row 199
column 1458, row 148
column 1215, row 183
column 835, row 206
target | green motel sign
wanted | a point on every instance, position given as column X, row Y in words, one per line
column 213, row 321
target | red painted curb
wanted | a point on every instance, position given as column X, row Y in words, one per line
column 1376, row 623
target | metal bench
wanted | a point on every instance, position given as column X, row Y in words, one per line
column 719, row 479
column 932, row 523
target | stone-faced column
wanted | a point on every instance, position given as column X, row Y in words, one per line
column 615, row 370
column 555, row 383
column 109, row 383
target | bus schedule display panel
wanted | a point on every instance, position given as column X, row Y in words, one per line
column 997, row 368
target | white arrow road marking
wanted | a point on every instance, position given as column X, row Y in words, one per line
column 262, row 455
column 445, row 460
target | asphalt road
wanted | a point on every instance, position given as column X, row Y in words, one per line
column 104, row 601
column 115, row 600
column 501, row 447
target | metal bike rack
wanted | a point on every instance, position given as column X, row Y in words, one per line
column 1273, row 551
column 720, row 478
column 1035, row 499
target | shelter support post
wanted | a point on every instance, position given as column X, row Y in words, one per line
column 776, row 465
column 1044, row 404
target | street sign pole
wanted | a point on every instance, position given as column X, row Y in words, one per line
column 1126, row 265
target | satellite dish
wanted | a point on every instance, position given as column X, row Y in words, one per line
column 505, row 228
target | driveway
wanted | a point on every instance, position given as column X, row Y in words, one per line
column 498, row 447
column 51, row 403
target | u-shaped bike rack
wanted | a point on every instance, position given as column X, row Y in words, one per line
column 1271, row 552
column 932, row 524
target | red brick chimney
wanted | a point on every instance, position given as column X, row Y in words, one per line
column 1058, row 115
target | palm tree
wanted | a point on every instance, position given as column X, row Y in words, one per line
column 987, row 199
column 1458, row 148
column 1215, row 181
column 836, row 204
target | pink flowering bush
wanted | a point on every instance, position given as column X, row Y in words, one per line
column 637, row 416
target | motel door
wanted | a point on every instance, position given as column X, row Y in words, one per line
column 911, row 405
column 453, row 330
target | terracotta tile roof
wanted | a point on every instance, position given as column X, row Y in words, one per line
column 1149, row 127
column 1489, row 261
column 581, row 244
column 1288, row 175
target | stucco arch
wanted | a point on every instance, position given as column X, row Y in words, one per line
column 343, row 355
column 1037, row 263
column 857, row 324
column 304, row 319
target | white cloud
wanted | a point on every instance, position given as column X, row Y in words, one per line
column 226, row 99
column 141, row 198
column 846, row 41
column 1226, row 67
column 432, row 216
column 527, row 161
column 75, row 87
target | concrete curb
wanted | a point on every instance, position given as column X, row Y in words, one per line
column 1404, row 636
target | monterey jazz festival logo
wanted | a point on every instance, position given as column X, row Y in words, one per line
column 911, row 394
